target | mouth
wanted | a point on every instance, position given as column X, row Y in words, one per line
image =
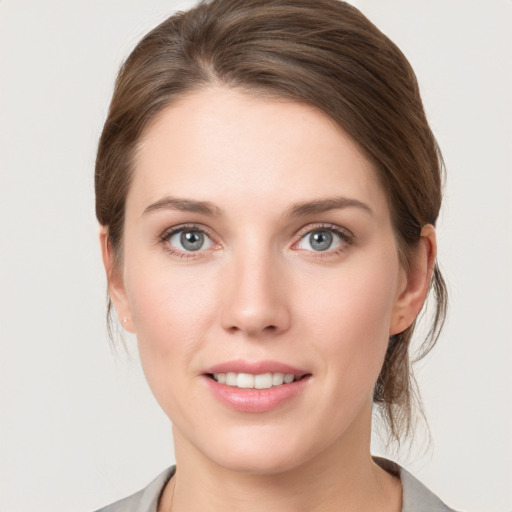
column 256, row 386
column 259, row 381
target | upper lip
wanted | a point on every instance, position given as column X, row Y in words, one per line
column 255, row 368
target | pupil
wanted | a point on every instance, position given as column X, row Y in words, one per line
column 192, row 240
column 321, row 240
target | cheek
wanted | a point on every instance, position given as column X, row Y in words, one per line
column 350, row 314
column 171, row 311
column 360, row 297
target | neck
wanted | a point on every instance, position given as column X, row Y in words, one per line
column 343, row 477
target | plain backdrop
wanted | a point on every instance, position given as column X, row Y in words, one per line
column 79, row 427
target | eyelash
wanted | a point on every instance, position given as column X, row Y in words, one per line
column 346, row 237
column 168, row 234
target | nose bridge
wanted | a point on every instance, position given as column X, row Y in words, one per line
column 255, row 301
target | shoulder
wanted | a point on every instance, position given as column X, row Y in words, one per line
column 416, row 497
column 146, row 500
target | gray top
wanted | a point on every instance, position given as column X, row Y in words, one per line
column 415, row 497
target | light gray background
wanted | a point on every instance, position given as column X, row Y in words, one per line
column 78, row 425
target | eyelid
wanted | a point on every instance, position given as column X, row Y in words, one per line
column 327, row 226
column 168, row 233
column 346, row 236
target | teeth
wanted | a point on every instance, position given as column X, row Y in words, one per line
column 263, row 381
column 249, row 381
column 288, row 378
column 277, row 379
column 231, row 379
column 245, row 380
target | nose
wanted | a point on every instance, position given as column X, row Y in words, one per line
column 256, row 296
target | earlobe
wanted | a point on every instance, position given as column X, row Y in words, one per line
column 417, row 282
column 115, row 281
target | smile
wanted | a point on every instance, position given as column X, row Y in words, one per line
column 249, row 381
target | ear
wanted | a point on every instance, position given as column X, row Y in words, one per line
column 416, row 283
column 115, row 282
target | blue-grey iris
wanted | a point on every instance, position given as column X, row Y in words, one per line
column 320, row 240
column 192, row 240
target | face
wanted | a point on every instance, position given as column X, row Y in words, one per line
column 261, row 276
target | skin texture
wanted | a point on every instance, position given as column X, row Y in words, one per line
column 258, row 291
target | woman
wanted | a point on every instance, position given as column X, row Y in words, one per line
column 268, row 186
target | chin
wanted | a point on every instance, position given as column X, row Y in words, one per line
column 269, row 452
column 269, row 463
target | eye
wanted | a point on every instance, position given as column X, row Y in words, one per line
column 188, row 240
column 323, row 239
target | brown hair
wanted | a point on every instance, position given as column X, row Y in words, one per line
column 320, row 52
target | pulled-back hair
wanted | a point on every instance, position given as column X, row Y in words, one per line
column 320, row 52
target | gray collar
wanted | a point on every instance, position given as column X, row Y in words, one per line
column 415, row 498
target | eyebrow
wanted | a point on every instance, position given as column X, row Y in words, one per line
column 324, row 205
column 181, row 204
column 296, row 210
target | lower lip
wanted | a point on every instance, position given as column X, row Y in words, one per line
column 256, row 400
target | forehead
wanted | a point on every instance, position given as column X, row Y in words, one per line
column 228, row 145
